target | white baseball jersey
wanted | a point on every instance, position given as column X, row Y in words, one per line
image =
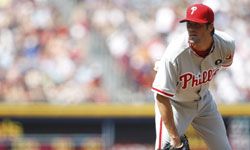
column 183, row 75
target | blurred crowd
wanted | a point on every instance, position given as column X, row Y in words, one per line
column 102, row 51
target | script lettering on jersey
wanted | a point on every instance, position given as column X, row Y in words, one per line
column 195, row 80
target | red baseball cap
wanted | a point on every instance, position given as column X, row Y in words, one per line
column 199, row 13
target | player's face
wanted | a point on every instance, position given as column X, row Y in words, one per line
column 198, row 32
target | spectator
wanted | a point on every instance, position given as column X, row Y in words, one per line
column 49, row 53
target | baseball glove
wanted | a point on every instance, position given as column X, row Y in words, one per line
column 185, row 145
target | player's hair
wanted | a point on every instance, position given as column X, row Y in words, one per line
column 212, row 33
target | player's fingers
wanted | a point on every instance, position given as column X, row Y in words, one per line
column 180, row 147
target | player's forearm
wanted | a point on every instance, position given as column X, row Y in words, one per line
column 167, row 115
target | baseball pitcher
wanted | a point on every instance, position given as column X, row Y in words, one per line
column 180, row 87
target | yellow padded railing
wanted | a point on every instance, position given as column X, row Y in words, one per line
column 101, row 110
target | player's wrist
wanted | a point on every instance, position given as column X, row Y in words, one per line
column 174, row 136
column 176, row 141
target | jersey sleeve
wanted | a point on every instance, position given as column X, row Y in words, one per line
column 165, row 80
column 227, row 58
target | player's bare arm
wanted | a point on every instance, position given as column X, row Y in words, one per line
column 168, row 120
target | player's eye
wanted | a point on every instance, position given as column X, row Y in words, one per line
column 194, row 25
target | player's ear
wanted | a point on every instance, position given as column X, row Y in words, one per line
column 210, row 27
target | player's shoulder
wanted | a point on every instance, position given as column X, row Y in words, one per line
column 177, row 45
column 224, row 38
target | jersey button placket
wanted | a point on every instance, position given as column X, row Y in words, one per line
column 202, row 68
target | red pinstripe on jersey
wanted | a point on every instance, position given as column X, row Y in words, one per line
column 162, row 92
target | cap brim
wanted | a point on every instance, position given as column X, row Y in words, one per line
column 193, row 20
